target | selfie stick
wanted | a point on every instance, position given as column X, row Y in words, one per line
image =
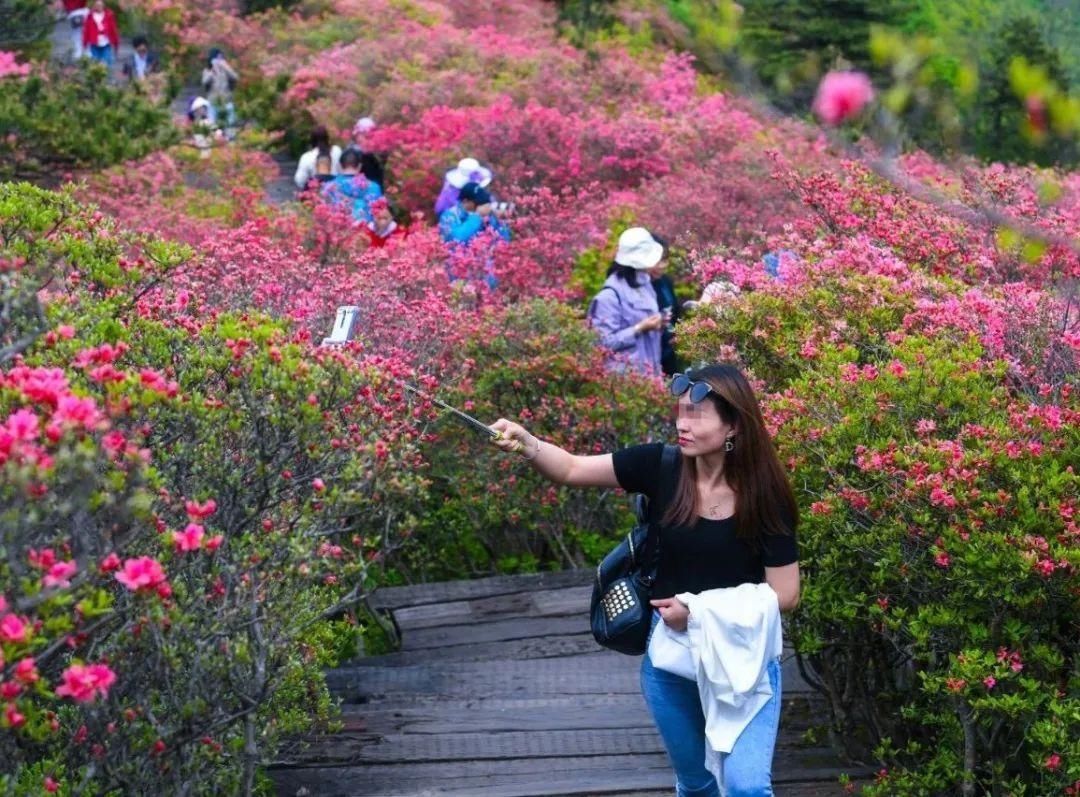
column 476, row 425
column 345, row 324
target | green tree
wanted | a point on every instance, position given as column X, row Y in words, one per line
column 26, row 26
column 579, row 18
column 999, row 122
column 255, row 6
column 792, row 41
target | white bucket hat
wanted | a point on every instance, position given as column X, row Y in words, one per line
column 638, row 249
column 365, row 124
column 468, row 170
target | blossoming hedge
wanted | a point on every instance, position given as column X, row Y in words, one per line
column 931, row 425
column 187, row 499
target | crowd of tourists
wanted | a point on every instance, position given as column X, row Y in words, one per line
column 471, row 222
column 635, row 312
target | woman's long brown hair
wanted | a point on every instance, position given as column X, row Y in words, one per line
column 764, row 500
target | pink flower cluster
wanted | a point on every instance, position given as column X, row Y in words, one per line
column 842, row 96
column 144, row 574
column 84, row 683
column 10, row 67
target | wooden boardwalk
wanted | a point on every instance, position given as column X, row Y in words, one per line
column 499, row 690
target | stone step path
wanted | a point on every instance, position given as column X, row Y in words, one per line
column 498, row 690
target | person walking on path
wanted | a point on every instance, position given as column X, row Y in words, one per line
column 100, row 36
column 470, row 217
column 142, row 63
column 669, row 308
column 382, row 229
column 727, row 519
column 472, row 229
column 624, row 311
column 218, row 81
column 322, row 162
column 360, row 132
column 76, row 12
column 353, row 188
column 467, row 171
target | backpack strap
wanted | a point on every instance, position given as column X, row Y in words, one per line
column 668, row 476
column 668, row 479
column 592, row 304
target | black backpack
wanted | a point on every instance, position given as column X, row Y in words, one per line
column 619, row 612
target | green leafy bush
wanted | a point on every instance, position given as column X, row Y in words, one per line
column 26, row 28
column 539, row 365
column 75, row 118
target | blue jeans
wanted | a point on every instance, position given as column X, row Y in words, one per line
column 676, row 709
column 102, row 54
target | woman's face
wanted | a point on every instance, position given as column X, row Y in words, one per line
column 700, row 427
column 99, row 6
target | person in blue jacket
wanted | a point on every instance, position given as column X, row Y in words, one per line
column 356, row 186
column 473, row 214
column 472, row 222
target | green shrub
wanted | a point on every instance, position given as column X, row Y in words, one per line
column 26, row 28
column 537, row 364
column 75, row 118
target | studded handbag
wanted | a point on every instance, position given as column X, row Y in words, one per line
column 620, row 613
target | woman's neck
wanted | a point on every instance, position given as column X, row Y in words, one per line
column 710, row 471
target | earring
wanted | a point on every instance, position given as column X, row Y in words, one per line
column 729, row 444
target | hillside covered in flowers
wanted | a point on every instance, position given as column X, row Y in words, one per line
column 197, row 496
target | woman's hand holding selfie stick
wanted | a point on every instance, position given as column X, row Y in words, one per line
column 554, row 463
column 515, row 439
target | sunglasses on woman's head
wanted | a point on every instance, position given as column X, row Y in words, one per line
column 680, row 383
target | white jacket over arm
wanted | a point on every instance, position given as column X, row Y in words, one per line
column 734, row 633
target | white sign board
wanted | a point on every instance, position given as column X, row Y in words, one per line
column 348, row 316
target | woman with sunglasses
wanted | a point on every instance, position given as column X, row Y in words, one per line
column 728, row 519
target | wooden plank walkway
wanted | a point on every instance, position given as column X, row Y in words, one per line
column 498, row 690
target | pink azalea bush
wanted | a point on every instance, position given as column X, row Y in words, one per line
column 923, row 389
column 169, row 552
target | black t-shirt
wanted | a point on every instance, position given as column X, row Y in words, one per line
column 707, row 555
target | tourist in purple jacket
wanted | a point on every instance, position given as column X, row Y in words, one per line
column 625, row 312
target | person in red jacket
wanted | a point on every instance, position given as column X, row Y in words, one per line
column 382, row 228
column 100, row 34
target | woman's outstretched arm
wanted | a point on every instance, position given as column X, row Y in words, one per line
column 554, row 463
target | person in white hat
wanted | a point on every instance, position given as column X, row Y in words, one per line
column 625, row 311
column 468, row 170
column 364, row 125
column 203, row 127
